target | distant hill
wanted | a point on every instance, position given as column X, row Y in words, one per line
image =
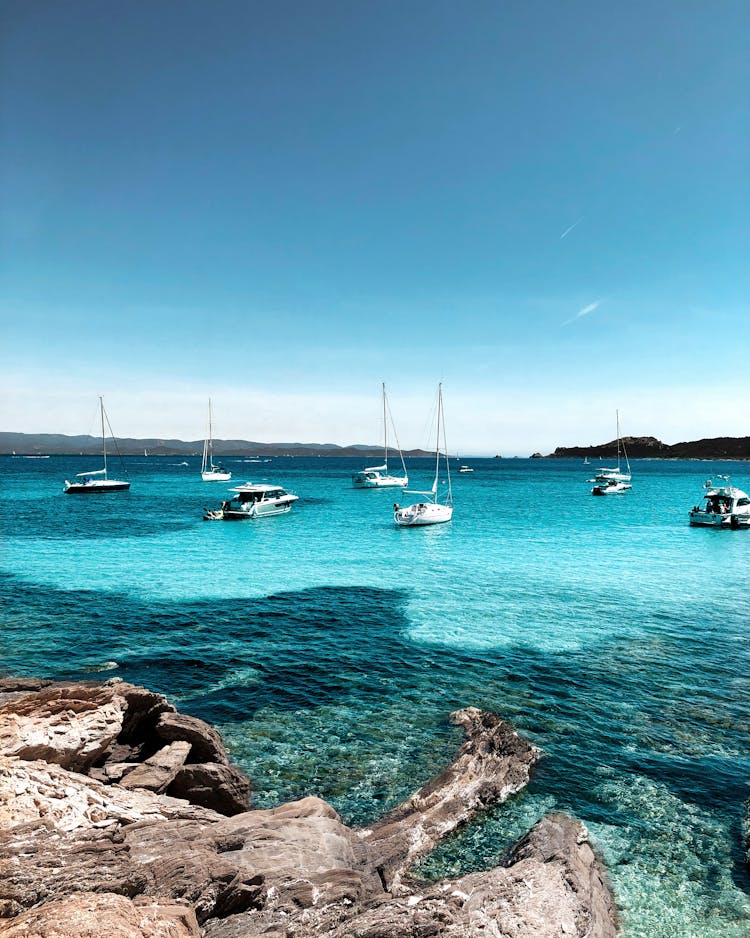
column 648, row 447
column 57, row 444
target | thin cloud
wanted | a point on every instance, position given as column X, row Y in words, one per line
column 568, row 230
column 585, row 311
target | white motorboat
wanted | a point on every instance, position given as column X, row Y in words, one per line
column 210, row 472
column 96, row 481
column 252, row 501
column 376, row 477
column 613, row 481
column 431, row 510
column 610, row 487
column 465, row 469
column 725, row 507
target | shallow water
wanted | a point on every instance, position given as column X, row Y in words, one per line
column 330, row 646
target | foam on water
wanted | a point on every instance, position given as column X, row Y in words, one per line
column 330, row 647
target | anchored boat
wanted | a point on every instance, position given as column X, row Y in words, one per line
column 252, row 501
column 96, row 481
column 725, row 506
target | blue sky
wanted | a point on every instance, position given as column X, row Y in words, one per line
column 545, row 205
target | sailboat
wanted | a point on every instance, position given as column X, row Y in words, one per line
column 376, row 477
column 613, row 481
column 96, row 480
column 210, row 472
column 431, row 511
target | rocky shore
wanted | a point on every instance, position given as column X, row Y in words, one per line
column 120, row 817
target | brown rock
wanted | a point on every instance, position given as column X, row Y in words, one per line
column 205, row 740
column 70, row 725
column 159, row 770
column 104, row 915
column 222, row 788
column 493, row 763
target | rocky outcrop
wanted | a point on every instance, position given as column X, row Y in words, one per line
column 137, row 837
column 96, row 915
column 119, row 733
column 493, row 763
column 648, row 447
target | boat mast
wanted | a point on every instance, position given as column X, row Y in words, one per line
column 385, row 433
column 210, row 437
column 104, row 440
column 437, row 443
column 617, row 414
column 445, row 447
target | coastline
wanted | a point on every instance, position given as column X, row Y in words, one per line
column 117, row 809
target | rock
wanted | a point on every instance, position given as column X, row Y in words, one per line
column 554, row 887
column 34, row 792
column 219, row 787
column 104, row 915
column 304, row 853
column 205, row 740
column 493, row 763
column 143, row 708
column 70, row 725
column 156, row 773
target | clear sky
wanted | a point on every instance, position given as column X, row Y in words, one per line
column 544, row 205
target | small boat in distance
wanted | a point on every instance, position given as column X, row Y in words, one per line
column 376, row 477
column 726, row 506
column 431, row 511
column 613, row 481
column 96, row 481
column 252, row 501
column 210, row 472
column 465, row 469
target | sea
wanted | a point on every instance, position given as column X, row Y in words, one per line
column 330, row 646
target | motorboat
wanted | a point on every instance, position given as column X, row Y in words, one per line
column 210, row 472
column 613, row 481
column 252, row 501
column 725, row 506
column 377, row 477
column 430, row 510
column 465, row 469
column 610, row 487
column 96, row 481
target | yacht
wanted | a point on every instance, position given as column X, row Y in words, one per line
column 725, row 507
column 210, row 472
column 465, row 469
column 252, row 501
column 613, row 481
column 96, row 481
column 376, row 477
column 430, row 511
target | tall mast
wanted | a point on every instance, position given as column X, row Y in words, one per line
column 385, row 433
column 617, row 413
column 210, row 435
column 437, row 441
column 104, row 441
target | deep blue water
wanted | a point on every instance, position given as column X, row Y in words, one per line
column 329, row 646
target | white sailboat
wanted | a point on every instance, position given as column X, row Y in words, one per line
column 376, row 477
column 96, row 480
column 210, row 472
column 430, row 511
column 613, row 481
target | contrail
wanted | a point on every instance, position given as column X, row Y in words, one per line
column 568, row 230
column 584, row 311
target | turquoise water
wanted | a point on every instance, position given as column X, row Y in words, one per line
column 329, row 646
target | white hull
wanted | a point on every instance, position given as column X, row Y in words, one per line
column 210, row 475
column 258, row 511
column 424, row 513
column 95, row 486
column 611, row 488
column 710, row 519
column 361, row 481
